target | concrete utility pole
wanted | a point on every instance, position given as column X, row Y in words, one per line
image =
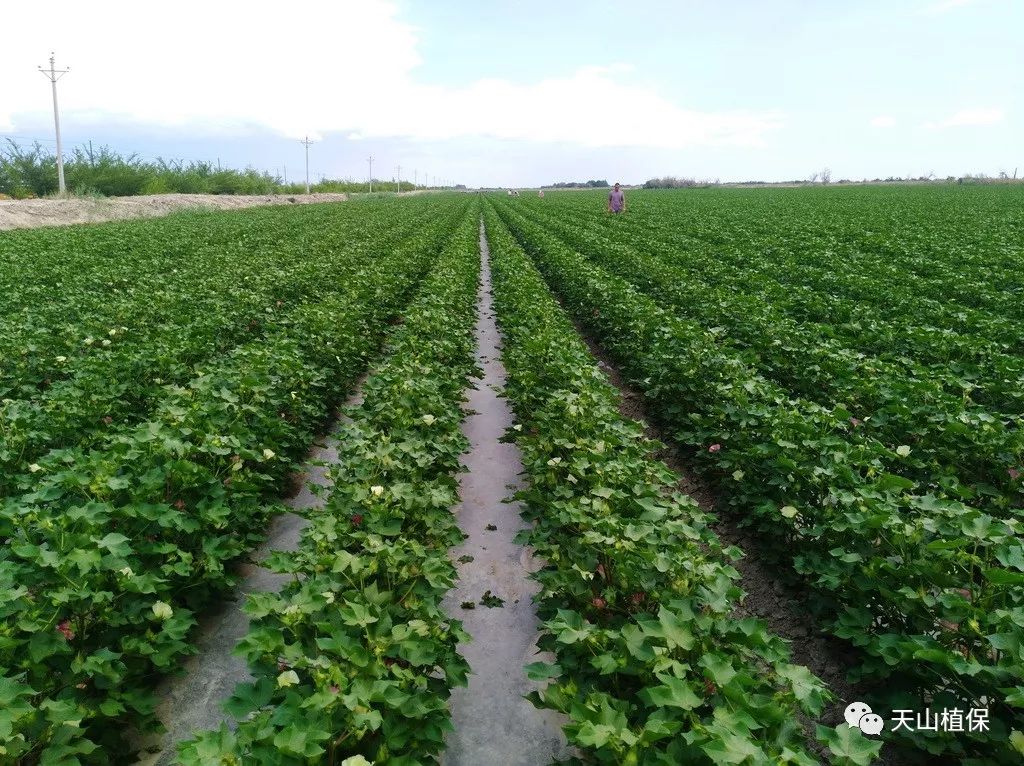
column 399, row 179
column 53, row 74
column 415, row 178
column 370, row 160
column 306, row 142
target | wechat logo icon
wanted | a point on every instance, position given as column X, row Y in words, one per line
column 859, row 716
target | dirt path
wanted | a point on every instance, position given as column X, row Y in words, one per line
column 31, row 213
column 192, row 702
column 493, row 723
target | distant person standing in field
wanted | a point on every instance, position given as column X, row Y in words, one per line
column 616, row 200
column 540, row 193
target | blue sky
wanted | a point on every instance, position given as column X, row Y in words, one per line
column 522, row 93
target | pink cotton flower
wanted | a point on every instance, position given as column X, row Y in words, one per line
column 64, row 628
column 855, row 422
column 1014, row 473
column 714, row 448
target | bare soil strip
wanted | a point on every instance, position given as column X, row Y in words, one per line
column 31, row 213
column 493, row 723
column 193, row 701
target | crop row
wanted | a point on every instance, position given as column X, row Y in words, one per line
column 950, row 247
column 116, row 378
column 637, row 596
column 885, row 323
column 149, row 280
column 115, row 548
column 958, row 448
column 929, row 590
column 355, row 656
column 824, row 282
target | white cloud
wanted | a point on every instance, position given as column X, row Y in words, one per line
column 948, row 5
column 315, row 66
column 882, row 121
column 970, row 118
column 976, row 117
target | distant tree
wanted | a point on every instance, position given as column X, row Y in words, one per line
column 670, row 182
column 592, row 184
column 826, row 176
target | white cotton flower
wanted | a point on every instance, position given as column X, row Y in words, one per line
column 105, row 343
column 737, row 475
column 554, row 461
column 88, row 341
column 35, row 467
column 903, row 450
column 429, row 419
column 356, row 760
column 287, row 678
column 517, row 427
column 376, row 490
column 788, row 511
column 268, row 454
column 62, row 359
column 162, row 610
column 126, row 572
column 329, row 596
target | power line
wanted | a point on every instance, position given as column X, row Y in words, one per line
column 13, row 136
column 53, row 74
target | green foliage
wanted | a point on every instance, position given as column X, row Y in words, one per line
column 592, row 184
column 637, row 596
column 93, row 363
column 114, row 544
column 33, row 173
column 908, row 530
column 355, row 657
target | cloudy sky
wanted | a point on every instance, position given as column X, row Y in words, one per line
column 529, row 92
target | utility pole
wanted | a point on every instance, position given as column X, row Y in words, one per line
column 53, row 74
column 399, row 177
column 370, row 160
column 306, row 142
